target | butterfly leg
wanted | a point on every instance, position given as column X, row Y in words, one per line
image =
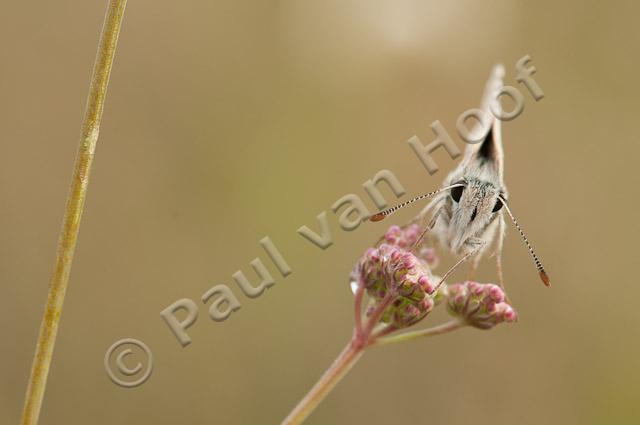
column 478, row 244
column 422, row 216
column 500, row 244
column 488, row 235
column 430, row 226
column 471, row 275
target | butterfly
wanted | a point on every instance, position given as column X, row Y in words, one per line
column 469, row 209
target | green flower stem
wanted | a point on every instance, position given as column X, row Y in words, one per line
column 345, row 361
column 73, row 212
column 422, row 333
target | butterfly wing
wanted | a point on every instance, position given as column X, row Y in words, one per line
column 488, row 152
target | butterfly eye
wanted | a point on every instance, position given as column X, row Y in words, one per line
column 497, row 206
column 456, row 193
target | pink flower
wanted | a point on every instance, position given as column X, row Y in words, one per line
column 401, row 290
column 389, row 274
column 480, row 305
column 406, row 237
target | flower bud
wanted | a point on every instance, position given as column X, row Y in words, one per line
column 392, row 274
column 405, row 238
column 480, row 305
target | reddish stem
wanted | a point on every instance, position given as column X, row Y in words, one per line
column 358, row 307
column 377, row 315
column 382, row 332
column 341, row 365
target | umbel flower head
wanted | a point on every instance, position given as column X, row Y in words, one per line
column 398, row 280
column 402, row 289
column 480, row 305
column 405, row 238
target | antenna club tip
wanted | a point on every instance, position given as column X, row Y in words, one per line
column 545, row 278
column 377, row 217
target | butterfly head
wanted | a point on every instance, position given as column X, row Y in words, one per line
column 474, row 205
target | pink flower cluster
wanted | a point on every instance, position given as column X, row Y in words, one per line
column 405, row 238
column 394, row 276
column 399, row 284
column 480, row 305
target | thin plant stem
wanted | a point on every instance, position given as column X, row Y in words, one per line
column 358, row 306
column 73, row 212
column 349, row 356
column 375, row 316
column 383, row 332
column 341, row 365
column 422, row 333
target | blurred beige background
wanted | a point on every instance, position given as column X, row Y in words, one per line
column 230, row 121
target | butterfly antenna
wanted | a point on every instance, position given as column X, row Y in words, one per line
column 381, row 215
column 543, row 275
